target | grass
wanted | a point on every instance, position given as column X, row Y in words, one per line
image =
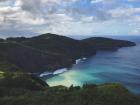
column 20, row 89
column 1, row 74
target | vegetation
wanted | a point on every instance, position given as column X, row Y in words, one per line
column 1, row 74
column 21, row 89
column 50, row 51
column 101, row 43
column 21, row 80
column 21, row 56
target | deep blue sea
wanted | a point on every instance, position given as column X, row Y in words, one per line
column 122, row 66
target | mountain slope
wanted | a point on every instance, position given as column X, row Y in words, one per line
column 30, row 59
column 50, row 51
column 100, row 43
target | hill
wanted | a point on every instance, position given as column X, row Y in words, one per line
column 89, row 94
column 100, row 43
column 50, row 52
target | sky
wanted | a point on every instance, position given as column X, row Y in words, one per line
column 69, row 17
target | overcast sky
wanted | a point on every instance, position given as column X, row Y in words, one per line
column 69, row 17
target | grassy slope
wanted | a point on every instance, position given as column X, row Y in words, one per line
column 18, row 88
column 45, row 52
column 107, row 94
column 100, row 43
column 28, row 59
column 50, row 51
column 1, row 74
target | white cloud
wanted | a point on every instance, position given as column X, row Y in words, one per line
column 8, row 10
column 122, row 12
column 66, row 16
column 4, row 0
column 96, row 1
column 133, row 1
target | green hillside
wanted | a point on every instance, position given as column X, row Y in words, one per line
column 50, row 52
column 21, row 89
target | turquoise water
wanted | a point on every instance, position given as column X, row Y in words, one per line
column 122, row 66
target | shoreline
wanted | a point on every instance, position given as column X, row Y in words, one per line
column 61, row 70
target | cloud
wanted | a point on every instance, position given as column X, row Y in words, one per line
column 133, row 1
column 4, row 0
column 68, row 16
column 119, row 12
column 96, row 1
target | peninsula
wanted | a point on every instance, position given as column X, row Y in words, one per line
column 51, row 52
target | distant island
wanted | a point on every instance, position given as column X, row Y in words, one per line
column 51, row 52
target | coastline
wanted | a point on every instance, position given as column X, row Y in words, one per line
column 59, row 71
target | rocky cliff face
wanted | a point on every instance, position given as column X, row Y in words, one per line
column 51, row 52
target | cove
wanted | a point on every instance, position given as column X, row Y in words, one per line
column 122, row 66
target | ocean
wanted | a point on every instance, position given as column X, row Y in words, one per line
column 122, row 66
